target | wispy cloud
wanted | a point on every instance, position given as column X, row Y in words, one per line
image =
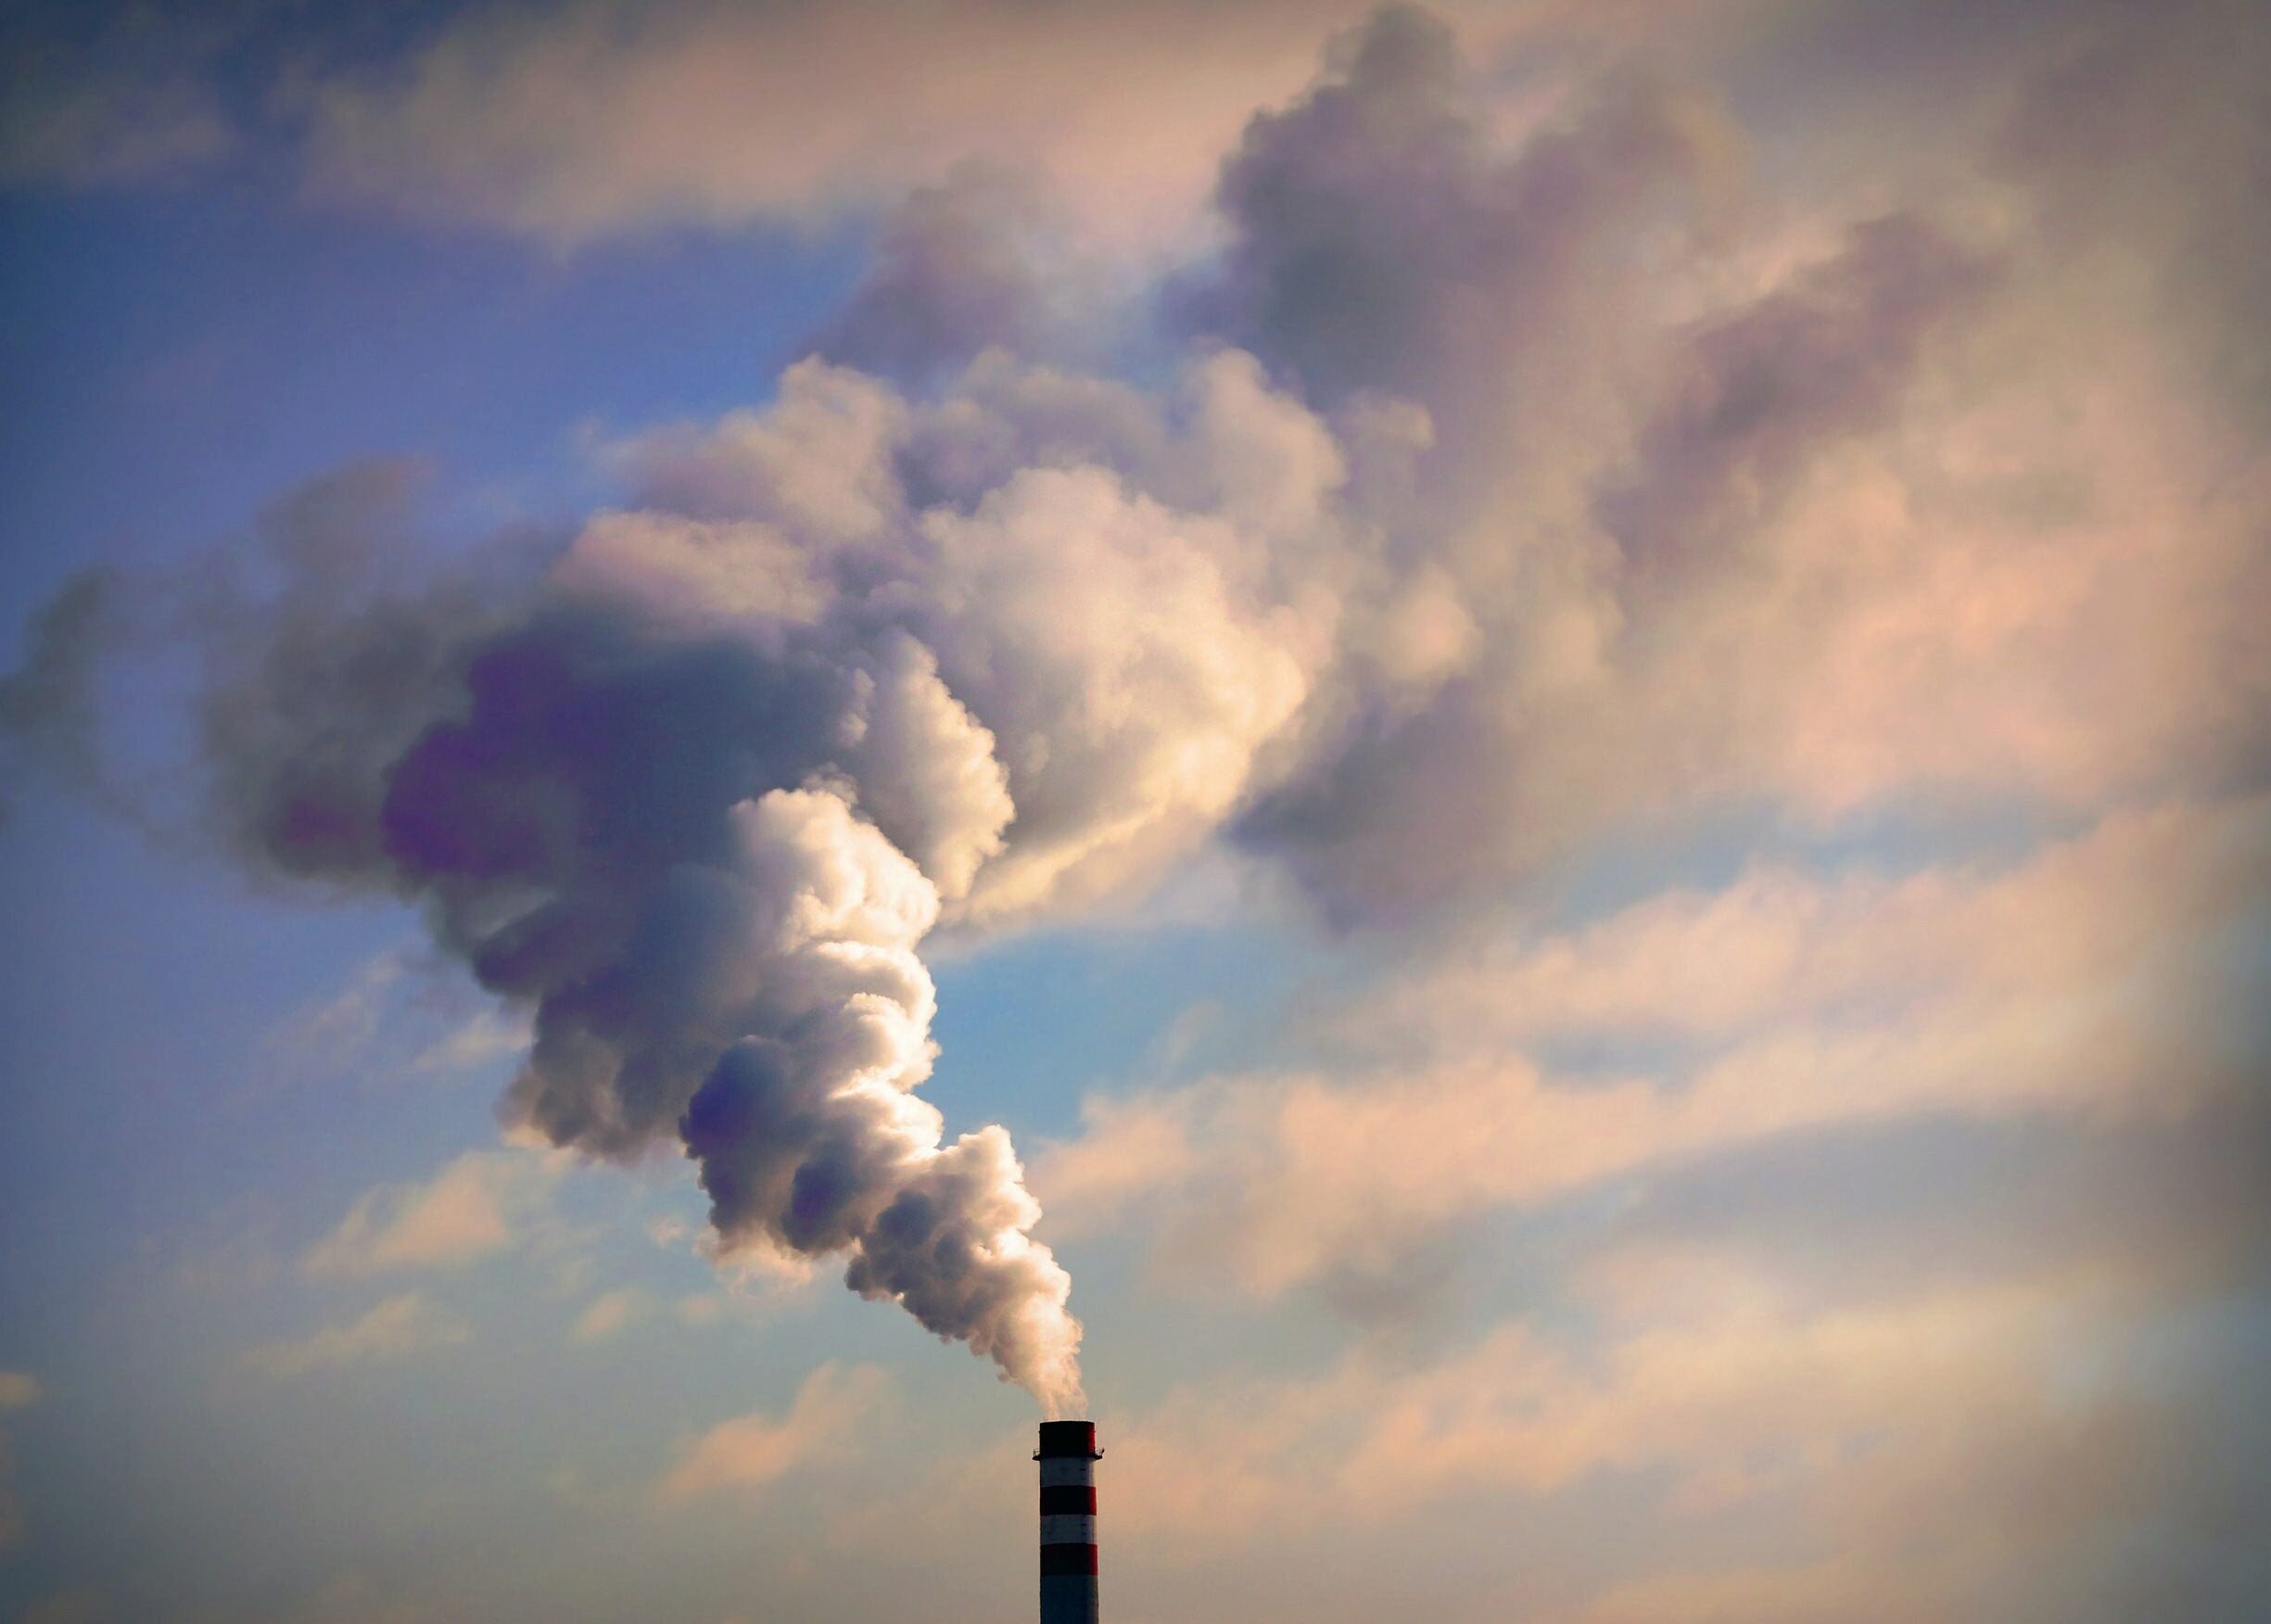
column 395, row 1017
column 396, row 1329
column 753, row 1451
column 2105, row 977
column 135, row 103
column 654, row 105
column 332, row 1036
column 477, row 1206
column 482, row 1038
column 607, row 1313
column 1736, row 1394
column 17, row 1388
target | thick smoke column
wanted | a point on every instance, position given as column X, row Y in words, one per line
column 653, row 842
column 653, row 836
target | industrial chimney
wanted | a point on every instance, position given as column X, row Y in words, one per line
column 1068, row 1456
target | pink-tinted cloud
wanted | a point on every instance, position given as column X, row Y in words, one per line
column 752, row 1451
column 2096, row 981
column 399, row 1328
column 477, row 1206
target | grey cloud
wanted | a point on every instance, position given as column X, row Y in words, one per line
column 1326, row 826
column 1651, row 409
column 47, row 703
column 2144, row 144
column 975, row 263
column 323, row 662
column 106, row 100
column 1338, row 264
column 1758, row 394
column 1857, row 1213
column 1385, row 245
column 1383, row 241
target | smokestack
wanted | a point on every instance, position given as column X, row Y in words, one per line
column 1068, row 1456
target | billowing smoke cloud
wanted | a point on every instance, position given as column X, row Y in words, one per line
column 694, row 788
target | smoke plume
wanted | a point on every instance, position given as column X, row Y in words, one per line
column 692, row 788
column 1376, row 583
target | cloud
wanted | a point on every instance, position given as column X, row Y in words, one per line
column 2006, row 1485
column 1730, row 497
column 482, row 1038
column 1678, row 1417
column 1865, row 1454
column 701, row 1308
column 2145, row 892
column 396, row 1329
column 19, row 1388
column 398, row 1014
column 695, row 112
column 1541, row 462
column 718, row 115
column 332, row 1035
column 1822, row 357
column 1541, row 503
column 2097, row 981
column 607, row 1313
column 50, row 706
column 2134, row 142
column 1383, row 190
column 475, row 1208
column 301, row 795
column 753, row 1451
column 1700, row 1390
column 134, row 102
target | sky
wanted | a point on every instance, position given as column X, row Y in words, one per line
column 1504, row 769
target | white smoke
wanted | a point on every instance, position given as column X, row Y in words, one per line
column 692, row 791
